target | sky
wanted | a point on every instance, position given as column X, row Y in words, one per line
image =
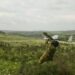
column 35, row 15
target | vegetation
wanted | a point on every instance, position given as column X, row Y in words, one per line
column 38, row 34
column 20, row 55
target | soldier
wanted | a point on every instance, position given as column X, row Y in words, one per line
column 48, row 55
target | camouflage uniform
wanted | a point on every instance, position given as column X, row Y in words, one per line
column 51, row 49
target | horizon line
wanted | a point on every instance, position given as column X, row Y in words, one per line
column 36, row 30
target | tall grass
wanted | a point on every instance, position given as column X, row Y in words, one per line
column 20, row 57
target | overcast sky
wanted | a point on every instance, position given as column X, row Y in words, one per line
column 28, row 15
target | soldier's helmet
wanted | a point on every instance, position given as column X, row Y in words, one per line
column 55, row 43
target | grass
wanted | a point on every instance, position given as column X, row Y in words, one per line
column 20, row 55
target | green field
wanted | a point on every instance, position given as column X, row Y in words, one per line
column 19, row 55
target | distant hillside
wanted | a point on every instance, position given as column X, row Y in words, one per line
column 2, row 32
column 38, row 34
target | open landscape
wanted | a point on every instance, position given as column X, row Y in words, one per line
column 20, row 53
column 37, row 37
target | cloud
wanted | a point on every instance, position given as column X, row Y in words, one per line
column 3, row 14
column 35, row 14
